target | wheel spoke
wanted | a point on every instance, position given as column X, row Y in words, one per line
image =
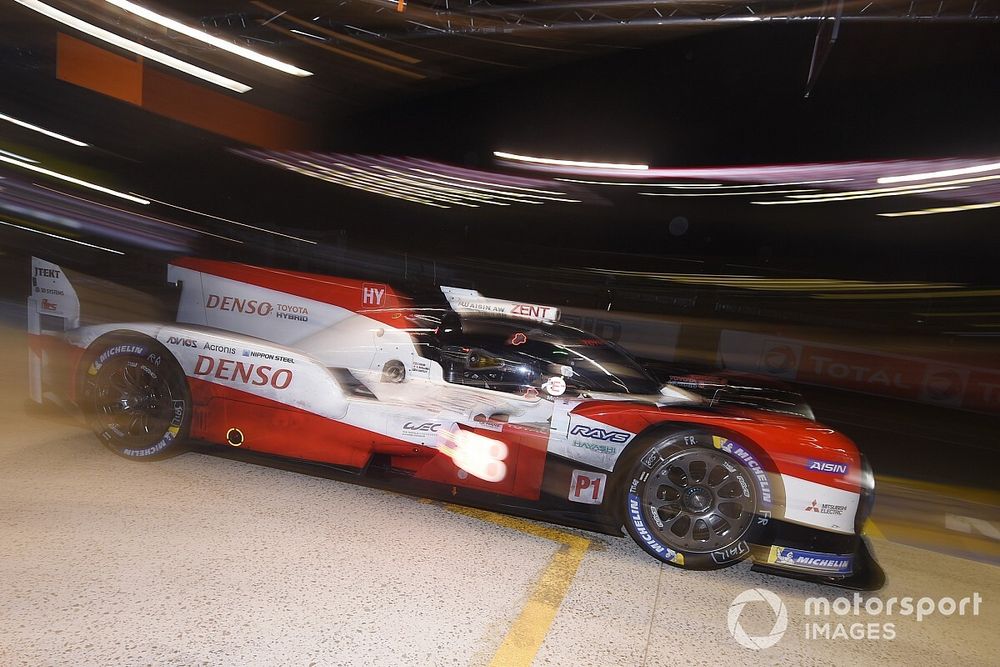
column 730, row 490
column 731, row 510
column 697, row 469
column 678, row 477
column 719, row 525
column 681, row 525
column 120, row 383
column 718, row 476
column 134, row 419
column 700, row 531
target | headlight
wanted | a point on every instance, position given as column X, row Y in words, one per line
column 867, row 475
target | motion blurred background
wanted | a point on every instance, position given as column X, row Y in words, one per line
column 803, row 190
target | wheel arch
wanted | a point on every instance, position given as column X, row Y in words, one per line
column 112, row 337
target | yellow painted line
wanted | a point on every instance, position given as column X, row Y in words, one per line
column 974, row 494
column 871, row 530
column 529, row 629
column 938, row 539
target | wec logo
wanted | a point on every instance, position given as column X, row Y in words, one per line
column 426, row 427
column 600, row 434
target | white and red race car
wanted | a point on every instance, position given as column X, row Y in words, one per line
column 479, row 401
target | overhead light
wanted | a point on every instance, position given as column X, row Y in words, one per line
column 48, row 133
column 568, row 163
column 961, row 171
column 134, row 47
column 202, row 36
column 70, row 179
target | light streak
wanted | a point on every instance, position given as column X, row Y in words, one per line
column 723, row 194
column 18, row 157
column 206, row 38
column 48, row 133
column 944, row 173
column 234, row 222
column 61, row 238
column 568, row 163
column 134, row 47
column 941, row 209
column 70, row 179
column 720, row 186
column 817, row 200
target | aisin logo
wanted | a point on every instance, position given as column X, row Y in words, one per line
column 780, row 619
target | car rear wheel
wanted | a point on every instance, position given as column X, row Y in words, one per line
column 691, row 500
column 135, row 397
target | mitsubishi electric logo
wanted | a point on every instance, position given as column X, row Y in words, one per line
column 780, row 620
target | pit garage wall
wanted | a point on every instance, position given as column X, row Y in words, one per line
column 862, row 370
column 799, row 356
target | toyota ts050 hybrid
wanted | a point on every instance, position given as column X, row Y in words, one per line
column 480, row 401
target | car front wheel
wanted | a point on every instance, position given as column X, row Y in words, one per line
column 691, row 500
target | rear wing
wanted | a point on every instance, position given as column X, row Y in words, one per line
column 53, row 308
column 471, row 301
column 63, row 300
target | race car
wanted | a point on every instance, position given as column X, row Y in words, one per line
column 481, row 401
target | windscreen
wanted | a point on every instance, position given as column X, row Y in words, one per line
column 513, row 356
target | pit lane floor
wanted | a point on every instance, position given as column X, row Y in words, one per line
column 204, row 560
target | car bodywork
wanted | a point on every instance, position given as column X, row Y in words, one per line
column 352, row 380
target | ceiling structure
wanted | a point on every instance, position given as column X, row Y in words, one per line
column 382, row 59
column 365, row 50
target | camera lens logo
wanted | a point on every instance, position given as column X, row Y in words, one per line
column 780, row 359
column 943, row 384
column 780, row 620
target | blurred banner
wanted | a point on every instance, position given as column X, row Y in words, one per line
column 863, row 370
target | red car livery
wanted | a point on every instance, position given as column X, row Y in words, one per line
column 482, row 401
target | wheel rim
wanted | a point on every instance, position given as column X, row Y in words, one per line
column 699, row 500
column 133, row 404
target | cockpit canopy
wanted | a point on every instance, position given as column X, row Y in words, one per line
column 532, row 358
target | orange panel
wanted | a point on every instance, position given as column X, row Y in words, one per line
column 133, row 81
column 92, row 67
column 216, row 112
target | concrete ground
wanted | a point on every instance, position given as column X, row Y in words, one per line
column 204, row 560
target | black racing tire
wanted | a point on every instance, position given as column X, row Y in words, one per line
column 135, row 397
column 689, row 498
